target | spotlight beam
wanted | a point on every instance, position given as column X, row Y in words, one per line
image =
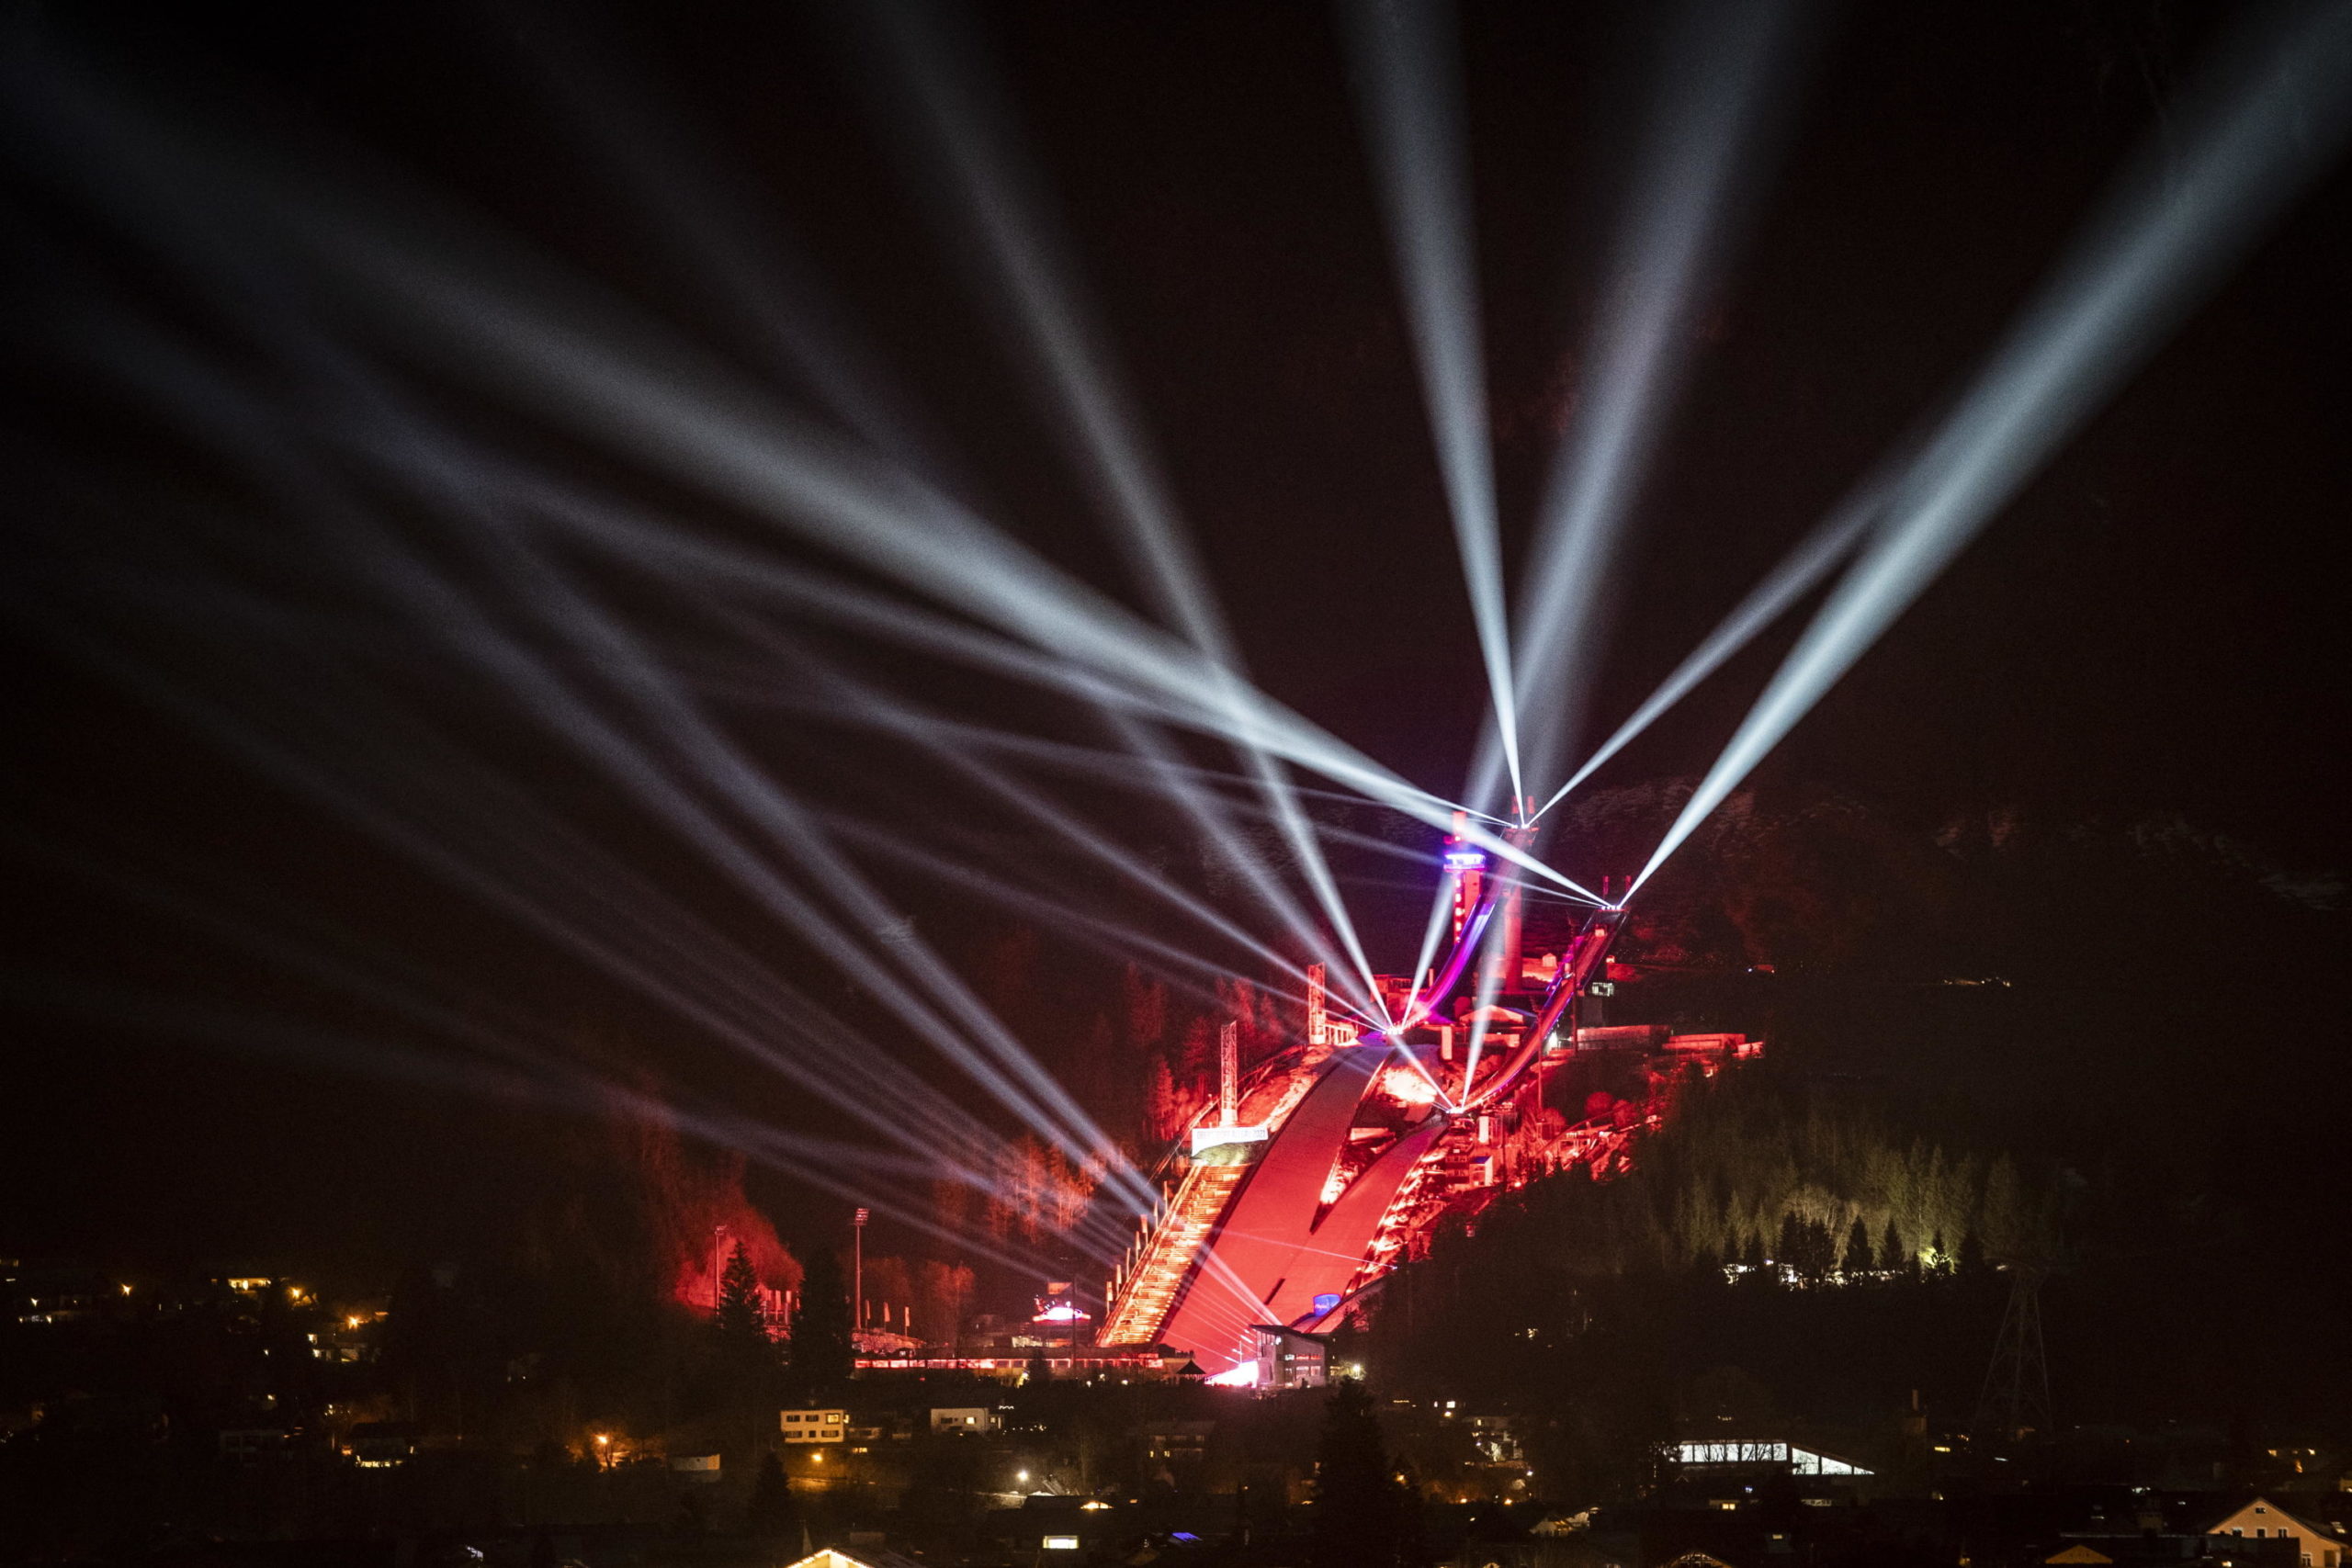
column 691, row 558
column 165, row 203
column 2268, row 119
column 1005, row 1068
column 1114, row 938
column 951, row 125
column 910, row 724
column 1209, row 814
column 1710, row 129
column 440, row 606
column 674, row 965
column 816, row 1161
column 1805, row 569
column 726, row 241
column 1407, row 66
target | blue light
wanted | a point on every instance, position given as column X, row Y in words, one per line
column 1465, row 860
column 1326, row 1302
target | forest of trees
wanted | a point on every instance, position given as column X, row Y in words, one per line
column 1617, row 1314
column 1754, row 1166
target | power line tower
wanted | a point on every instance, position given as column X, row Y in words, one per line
column 2017, row 1385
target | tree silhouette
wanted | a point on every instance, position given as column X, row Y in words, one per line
column 1359, row 1510
column 820, row 1352
column 772, row 1511
column 1857, row 1258
column 742, row 1321
column 1820, row 1252
column 1789, row 1251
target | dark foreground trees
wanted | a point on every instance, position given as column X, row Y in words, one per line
column 818, row 1361
column 1363, row 1517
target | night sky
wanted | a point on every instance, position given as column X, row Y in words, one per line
column 2154, row 626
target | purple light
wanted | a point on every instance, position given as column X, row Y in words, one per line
column 1465, row 860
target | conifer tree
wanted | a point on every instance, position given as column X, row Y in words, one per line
column 1858, row 1260
column 1358, row 1509
column 820, row 1352
column 1820, row 1251
column 740, row 1323
column 1891, row 1253
column 772, row 1511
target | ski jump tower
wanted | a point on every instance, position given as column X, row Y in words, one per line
column 1307, row 1185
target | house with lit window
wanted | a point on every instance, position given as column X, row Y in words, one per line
column 968, row 1419
column 2318, row 1546
column 815, row 1426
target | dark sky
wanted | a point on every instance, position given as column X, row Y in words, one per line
column 2153, row 625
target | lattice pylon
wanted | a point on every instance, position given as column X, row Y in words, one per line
column 2017, row 1385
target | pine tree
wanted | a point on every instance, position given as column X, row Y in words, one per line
column 1858, row 1260
column 1146, row 1007
column 820, row 1352
column 772, row 1511
column 1820, row 1251
column 1891, row 1253
column 741, row 1321
column 1357, row 1509
column 2002, row 1216
column 1163, row 1106
column 1790, row 1247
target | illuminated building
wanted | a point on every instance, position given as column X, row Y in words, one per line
column 2262, row 1519
column 1769, row 1457
column 974, row 1419
column 820, row 1426
column 1288, row 1358
column 1329, row 1163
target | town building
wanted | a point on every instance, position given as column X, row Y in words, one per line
column 818, row 1426
column 1284, row 1358
column 974, row 1419
column 2317, row 1545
